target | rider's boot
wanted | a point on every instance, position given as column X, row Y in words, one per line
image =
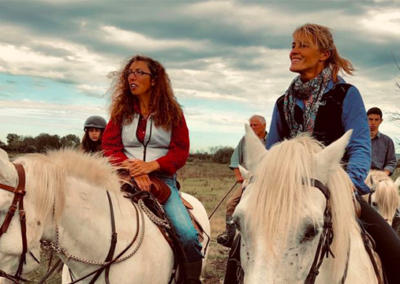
column 226, row 238
column 193, row 272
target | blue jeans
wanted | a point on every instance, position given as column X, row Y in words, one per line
column 180, row 219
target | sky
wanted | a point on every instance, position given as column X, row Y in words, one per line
column 227, row 60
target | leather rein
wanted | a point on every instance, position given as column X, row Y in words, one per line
column 17, row 203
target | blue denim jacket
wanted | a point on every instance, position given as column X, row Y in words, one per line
column 353, row 117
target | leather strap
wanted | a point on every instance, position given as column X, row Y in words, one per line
column 17, row 202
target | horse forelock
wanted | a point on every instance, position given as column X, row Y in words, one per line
column 387, row 198
column 386, row 194
column 282, row 191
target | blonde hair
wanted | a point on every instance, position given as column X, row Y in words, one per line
column 321, row 37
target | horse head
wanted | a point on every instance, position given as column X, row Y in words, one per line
column 11, row 244
column 384, row 196
column 281, row 215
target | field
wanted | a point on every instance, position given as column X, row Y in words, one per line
column 208, row 182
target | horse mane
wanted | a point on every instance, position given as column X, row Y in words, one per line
column 47, row 176
column 281, row 191
column 386, row 193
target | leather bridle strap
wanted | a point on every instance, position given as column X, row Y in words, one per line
column 18, row 202
column 112, row 246
column 326, row 238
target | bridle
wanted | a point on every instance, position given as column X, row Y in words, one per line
column 18, row 202
column 326, row 238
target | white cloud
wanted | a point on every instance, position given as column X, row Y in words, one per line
column 142, row 42
column 382, row 22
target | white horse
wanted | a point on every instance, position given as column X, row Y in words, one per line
column 67, row 190
column 397, row 182
column 281, row 215
column 385, row 196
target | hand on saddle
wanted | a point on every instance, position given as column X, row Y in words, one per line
column 143, row 182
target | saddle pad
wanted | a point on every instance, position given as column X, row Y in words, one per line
column 195, row 222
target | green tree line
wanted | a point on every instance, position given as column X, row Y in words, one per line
column 43, row 142
column 38, row 144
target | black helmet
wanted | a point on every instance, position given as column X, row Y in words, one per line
column 95, row 121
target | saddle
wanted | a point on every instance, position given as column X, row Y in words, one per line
column 161, row 192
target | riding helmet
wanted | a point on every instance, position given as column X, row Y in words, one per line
column 95, row 121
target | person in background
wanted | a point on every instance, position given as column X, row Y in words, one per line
column 259, row 125
column 94, row 128
column 147, row 135
column 383, row 153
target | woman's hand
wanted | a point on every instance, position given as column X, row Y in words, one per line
column 138, row 167
column 143, row 182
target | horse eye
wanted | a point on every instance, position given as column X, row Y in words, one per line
column 309, row 234
column 375, row 204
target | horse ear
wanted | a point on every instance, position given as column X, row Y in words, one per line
column 254, row 150
column 4, row 155
column 397, row 182
column 243, row 171
column 7, row 170
column 330, row 157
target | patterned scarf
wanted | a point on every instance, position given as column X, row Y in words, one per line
column 311, row 91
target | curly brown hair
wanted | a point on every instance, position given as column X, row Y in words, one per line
column 164, row 107
column 322, row 38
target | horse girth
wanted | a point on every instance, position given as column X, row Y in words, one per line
column 17, row 202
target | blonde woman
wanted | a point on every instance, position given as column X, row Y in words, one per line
column 320, row 102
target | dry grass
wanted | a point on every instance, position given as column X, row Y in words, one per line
column 209, row 183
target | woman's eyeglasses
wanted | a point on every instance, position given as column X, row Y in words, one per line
column 137, row 73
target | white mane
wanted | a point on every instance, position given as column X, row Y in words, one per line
column 386, row 193
column 47, row 175
column 282, row 189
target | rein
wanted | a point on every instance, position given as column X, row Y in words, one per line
column 109, row 260
column 18, row 202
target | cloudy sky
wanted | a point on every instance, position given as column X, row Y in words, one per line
column 227, row 59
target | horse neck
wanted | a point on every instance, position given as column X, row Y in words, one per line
column 85, row 226
column 359, row 267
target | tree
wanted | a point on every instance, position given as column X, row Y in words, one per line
column 223, row 155
column 28, row 144
column 70, row 140
column 3, row 145
column 14, row 142
column 44, row 142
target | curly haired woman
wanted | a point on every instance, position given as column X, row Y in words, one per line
column 147, row 133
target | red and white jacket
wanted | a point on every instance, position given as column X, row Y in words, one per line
column 142, row 139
